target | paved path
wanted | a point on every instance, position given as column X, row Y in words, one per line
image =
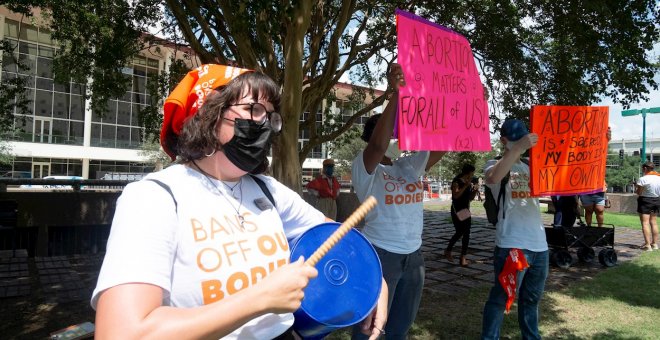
column 445, row 277
column 72, row 278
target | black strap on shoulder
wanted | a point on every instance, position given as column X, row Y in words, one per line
column 264, row 188
column 168, row 189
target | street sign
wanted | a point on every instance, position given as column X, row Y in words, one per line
column 643, row 112
column 634, row 112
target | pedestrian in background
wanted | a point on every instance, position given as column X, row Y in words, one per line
column 325, row 188
column 463, row 190
column 648, row 205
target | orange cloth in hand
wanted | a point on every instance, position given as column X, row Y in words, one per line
column 188, row 96
column 515, row 262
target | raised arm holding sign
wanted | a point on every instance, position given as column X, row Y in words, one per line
column 443, row 106
column 572, row 150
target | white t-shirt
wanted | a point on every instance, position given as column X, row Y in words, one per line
column 197, row 252
column 396, row 223
column 522, row 226
column 650, row 184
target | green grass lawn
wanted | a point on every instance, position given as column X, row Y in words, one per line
column 623, row 220
column 622, row 302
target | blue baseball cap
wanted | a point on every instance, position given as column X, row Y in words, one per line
column 513, row 129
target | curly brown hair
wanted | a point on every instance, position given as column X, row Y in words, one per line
column 199, row 134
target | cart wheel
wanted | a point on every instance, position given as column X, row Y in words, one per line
column 586, row 254
column 562, row 259
column 607, row 257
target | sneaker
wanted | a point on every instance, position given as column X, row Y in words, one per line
column 646, row 247
column 654, row 246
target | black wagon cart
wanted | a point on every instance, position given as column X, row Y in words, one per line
column 584, row 239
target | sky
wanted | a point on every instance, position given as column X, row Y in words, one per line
column 631, row 127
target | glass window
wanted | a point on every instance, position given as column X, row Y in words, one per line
column 44, row 103
column 60, row 131
column 110, row 117
column 29, row 33
column 48, row 52
column 108, row 135
column 29, row 95
column 45, row 67
column 44, row 37
column 76, row 132
column 139, row 70
column 126, row 97
column 77, row 107
column 153, row 63
column 78, row 88
column 66, row 88
column 96, row 134
column 57, row 168
column 27, row 48
column 30, row 61
column 135, row 115
column 8, row 63
column 29, row 82
column 124, row 115
column 24, row 125
column 74, row 168
column 138, row 98
column 136, row 136
column 140, row 60
column 139, row 84
column 44, row 84
column 123, row 111
column 11, row 28
column 123, row 137
column 61, row 105
column 111, row 107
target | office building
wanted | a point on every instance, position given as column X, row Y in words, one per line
column 60, row 135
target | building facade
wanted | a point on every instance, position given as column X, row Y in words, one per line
column 633, row 147
column 61, row 135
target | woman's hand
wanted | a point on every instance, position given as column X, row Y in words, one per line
column 282, row 290
column 374, row 324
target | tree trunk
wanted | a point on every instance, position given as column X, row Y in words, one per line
column 286, row 166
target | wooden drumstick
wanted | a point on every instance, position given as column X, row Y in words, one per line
column 350, row 222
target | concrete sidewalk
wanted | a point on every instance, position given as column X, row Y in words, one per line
column 72, row 278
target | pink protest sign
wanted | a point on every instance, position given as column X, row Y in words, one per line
column 442, row 107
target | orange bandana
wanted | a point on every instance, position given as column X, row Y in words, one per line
column 515, row 262
column 188, row 96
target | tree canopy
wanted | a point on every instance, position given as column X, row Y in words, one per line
column 564, row 52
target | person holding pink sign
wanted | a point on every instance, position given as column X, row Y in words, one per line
column 394, row 226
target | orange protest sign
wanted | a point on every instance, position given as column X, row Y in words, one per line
column 571, row 152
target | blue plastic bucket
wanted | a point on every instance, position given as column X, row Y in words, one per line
column 347, row 287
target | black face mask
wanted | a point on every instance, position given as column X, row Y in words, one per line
column 249, row 146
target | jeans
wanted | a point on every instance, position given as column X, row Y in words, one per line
column 530, row 284
column 404, row 274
